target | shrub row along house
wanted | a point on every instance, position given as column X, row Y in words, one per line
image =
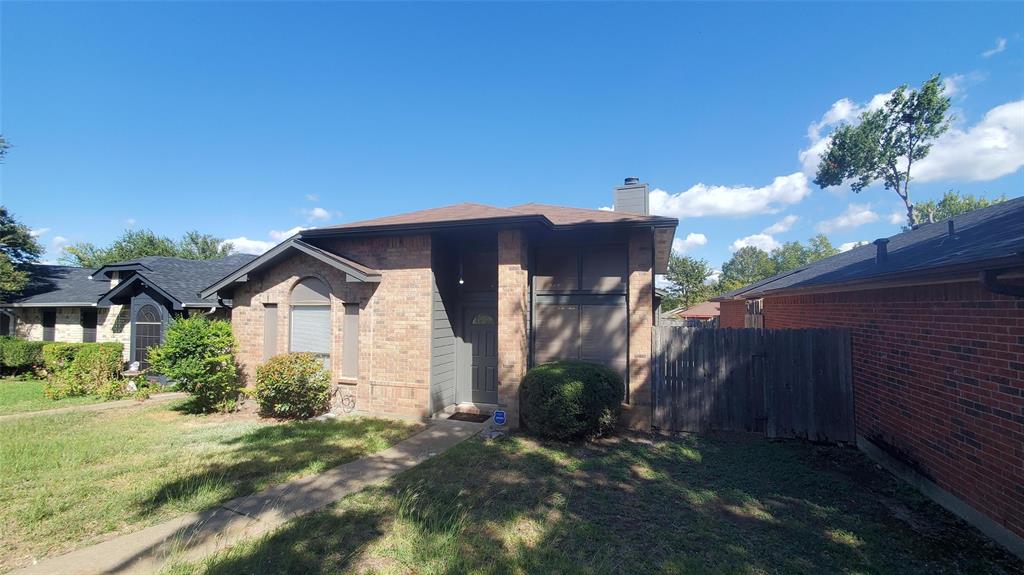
column 412, row 314
column 937, row 322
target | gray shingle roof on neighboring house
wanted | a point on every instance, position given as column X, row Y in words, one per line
column 181, row 279
column 184, row 279
column 59, row 285
column 988, row 238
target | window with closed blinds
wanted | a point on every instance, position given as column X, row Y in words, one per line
column 311, row 319
column 311, row 331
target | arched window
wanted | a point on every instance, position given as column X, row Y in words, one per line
column 149, row 329
column 311, row 319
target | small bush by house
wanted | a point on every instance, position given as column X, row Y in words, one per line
column 17, row 355
column 198, row 355
column 76, row 369
column 294, row 385
column 570, row 399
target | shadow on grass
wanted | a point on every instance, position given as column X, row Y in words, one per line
column 722, row 504
column 273, row 454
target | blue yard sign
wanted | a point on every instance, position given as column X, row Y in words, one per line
column 499, row 417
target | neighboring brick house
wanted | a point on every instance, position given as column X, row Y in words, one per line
column 445, row 309
column 703, row 314
column 937, row 322
column 127, row 302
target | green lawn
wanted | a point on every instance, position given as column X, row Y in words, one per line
column 722, row 504
column 66, row 480
column 18, row 396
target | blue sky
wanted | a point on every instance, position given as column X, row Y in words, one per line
column 248, row 120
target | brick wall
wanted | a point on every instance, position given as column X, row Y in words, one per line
column 394, row 319
column 732, row 314
column 938, row 381
column 513, row 306
column 637, row 413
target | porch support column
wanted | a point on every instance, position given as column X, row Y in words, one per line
column 637, row 413
column 513, row 307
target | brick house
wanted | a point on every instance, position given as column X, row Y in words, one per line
column 128, row 302
column 937, row 322
column 445, row 309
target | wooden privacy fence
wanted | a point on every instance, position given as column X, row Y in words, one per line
column 794, row 383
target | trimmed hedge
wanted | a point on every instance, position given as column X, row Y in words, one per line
column 76, row 369
column 19, row 354
column 570, row 399
column 293, row 386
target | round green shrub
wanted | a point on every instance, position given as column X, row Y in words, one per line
column 570, row 399
column 293, row 386
column 198, row 355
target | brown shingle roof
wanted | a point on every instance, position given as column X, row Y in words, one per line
column 557, row 215
column 453, row 213
column 565, row 216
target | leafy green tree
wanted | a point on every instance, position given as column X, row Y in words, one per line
column 688, row 279
column 819, row 247
column 18, row 248
column 748, row 265
column 952, row 204
column 793, row 255
column 135, row 244
column 197, row 246
column 887, row 142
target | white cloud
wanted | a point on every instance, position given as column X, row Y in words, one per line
column 782, row 225
column 312, row 197
column 898, row 217
column 38, row 232
column 58, row 242
column 246, row 245
column 854, row 216
column 281, row 235
column 715, row 276
column 953, row 85
column 992, row 148
column 606, row 209
column 129, row 222
column 766, row 240
column 703, row 200
column 317, row 214
column 763, row 241
column 681, row 246
column 847, row 246
column 243, row 245
column 999, row 47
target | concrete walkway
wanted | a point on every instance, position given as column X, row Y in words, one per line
column 197, row 535
column 156, row 397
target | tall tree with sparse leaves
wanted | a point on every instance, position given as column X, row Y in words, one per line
column 18, row 249
column 887, row 142
column 688, row 282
